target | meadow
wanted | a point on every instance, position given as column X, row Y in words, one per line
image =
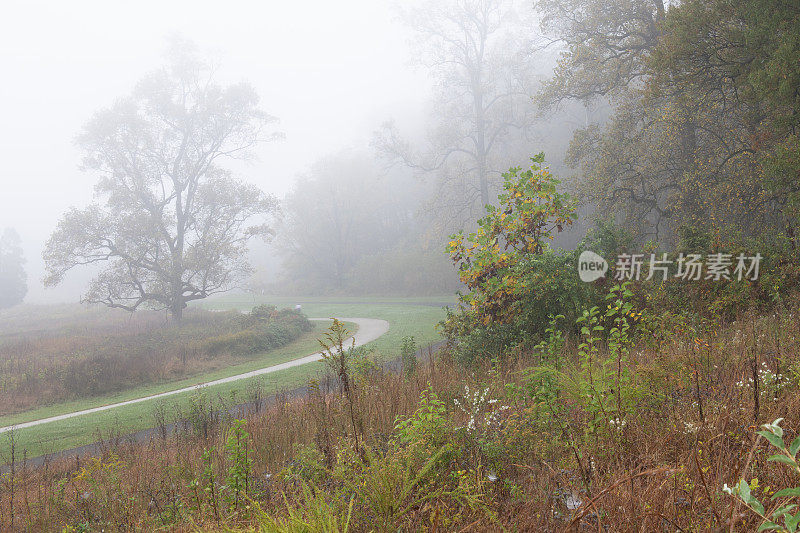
column 49, row 356
column 541, row 440
column 405, row 320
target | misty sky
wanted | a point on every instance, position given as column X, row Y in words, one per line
column 330, row 71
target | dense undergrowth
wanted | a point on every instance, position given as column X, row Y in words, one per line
column 556, row 406
column 66, row 360
column 632, row 429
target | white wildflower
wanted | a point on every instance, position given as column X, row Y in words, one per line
column 691, row 428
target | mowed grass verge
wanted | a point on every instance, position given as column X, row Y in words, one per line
column 306, row 343
column 405, row 320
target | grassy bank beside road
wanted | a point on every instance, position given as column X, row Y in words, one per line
column 404, row 320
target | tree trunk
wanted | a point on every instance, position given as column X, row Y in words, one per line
column 177, row 302
column 480, row 143
column 692, row 202
column 177, row 309
column 177, row 255
column 484, row 187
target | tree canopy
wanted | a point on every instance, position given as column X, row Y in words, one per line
column 704, row 127
column 169, row 223
column 479, row 54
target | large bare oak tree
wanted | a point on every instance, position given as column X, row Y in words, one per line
column 168, row 224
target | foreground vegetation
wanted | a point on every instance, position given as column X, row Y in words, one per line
column 617, row 405
column 404, row 321
column 594, row 431
column 624, row 404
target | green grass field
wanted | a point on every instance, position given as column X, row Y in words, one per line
column 413, row 316
column 407, row 317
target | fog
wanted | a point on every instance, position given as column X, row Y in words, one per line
column 358, row 265
column 331, row 72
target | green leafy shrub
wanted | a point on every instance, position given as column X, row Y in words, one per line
column 408, row 355
column 240, row 470
column 510, row 277
column 264, row 329
column 428, row 428
column 787, row 455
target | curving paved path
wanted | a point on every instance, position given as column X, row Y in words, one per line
column 369, row 329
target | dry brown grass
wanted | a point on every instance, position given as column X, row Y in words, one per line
column 659, row 474
column 54, row 355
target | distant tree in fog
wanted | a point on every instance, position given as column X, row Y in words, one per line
column 478, row 54
column 13, row 279
column 168, row 222
column 336, row 214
